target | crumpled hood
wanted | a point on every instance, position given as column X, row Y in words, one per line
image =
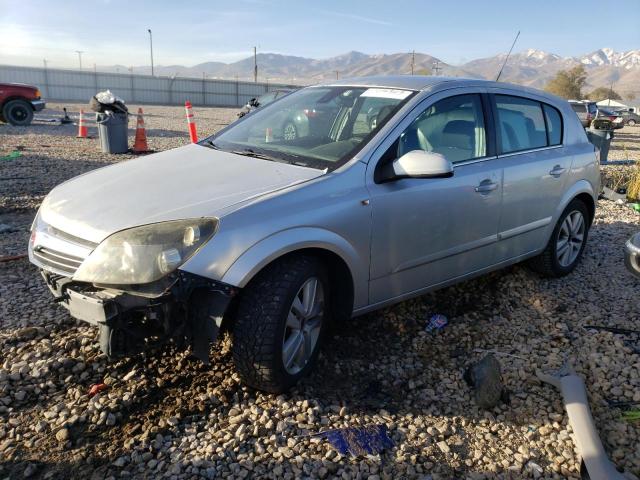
column 187, row 182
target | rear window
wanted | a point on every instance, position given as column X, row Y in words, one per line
column 521, row 124
column 578, row 107
column 593, row 108
column 525, row 124
column 554, row 124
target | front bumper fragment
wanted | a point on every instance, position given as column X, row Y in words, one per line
column 187, row 309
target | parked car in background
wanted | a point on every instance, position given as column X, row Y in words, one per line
column 18, row 101
column 630, row 118
column 585, row 110
column 632, row 254
column 263, row 100
column 615, row 117
column 276, row 236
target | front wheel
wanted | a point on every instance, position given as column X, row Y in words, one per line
column 280, row 323
column 631, row 123
column 567, row 242
column 18, row 112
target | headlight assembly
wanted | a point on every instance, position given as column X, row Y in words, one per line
column 145, row 254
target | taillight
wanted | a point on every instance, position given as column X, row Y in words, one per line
column 310, row 112
column 589, row 117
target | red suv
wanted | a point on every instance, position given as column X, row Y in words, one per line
column 18, row 102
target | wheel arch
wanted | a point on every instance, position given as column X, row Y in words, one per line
column 346, row 270
column 15, row 97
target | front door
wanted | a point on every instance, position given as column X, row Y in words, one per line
column 428, row 231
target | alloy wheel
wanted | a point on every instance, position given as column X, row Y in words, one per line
column 570, row 238
column 302, row 330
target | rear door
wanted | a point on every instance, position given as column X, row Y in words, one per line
column 535, row 165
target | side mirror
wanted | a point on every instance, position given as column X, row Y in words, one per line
column 421, row 164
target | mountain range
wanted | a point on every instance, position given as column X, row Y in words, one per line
column 605, row 67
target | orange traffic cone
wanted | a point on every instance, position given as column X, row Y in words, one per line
column 82, row 128
column 191, row 123
column 140, row 145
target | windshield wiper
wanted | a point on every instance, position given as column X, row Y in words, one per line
column 248, row 152
column 210, row 144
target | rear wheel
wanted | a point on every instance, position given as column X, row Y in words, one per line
column 567, row 242
column 631, row 122
column 18, row 112
column 280, row 323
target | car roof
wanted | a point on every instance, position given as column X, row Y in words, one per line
column 423, row 82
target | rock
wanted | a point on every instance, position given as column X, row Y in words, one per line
column 62, row 435
column 486, row 380
column 30, row 470
column 20, row 395
column 444, row 448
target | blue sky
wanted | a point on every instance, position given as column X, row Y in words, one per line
column 192, row 32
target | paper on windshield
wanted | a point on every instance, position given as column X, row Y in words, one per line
column 386, row 93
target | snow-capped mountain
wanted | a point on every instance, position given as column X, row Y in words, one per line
column 607, row 56
column 529, row 67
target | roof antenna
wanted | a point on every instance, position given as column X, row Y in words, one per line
column 505, row 60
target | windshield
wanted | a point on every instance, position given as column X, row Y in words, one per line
column 319, row 127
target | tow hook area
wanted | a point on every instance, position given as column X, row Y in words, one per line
column 184, row 309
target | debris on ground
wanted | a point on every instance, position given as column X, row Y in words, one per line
column 631, row 416
column 358, row 441
column 436, row 322
column 486, row 380
column 12, row 155
column 574, row 394
column 97, row 388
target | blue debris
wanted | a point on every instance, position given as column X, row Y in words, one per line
column 437, row 322
column 358, row 441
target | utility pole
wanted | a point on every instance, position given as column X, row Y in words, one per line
column 337, row 74
column 436, row 67
column 44, row 60
column 80, row 52
column 151, row 47
column 255, row 65
column 413, row 60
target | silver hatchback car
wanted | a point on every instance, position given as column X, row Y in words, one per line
column 275, row 235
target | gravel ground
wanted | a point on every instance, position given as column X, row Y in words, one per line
column 163, row 416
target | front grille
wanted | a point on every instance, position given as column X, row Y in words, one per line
column 57, row 251
column 58, row 262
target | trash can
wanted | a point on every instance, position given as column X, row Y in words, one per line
column 602, row 140
column 113, row 131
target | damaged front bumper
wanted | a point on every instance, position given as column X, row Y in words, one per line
column 183, row 308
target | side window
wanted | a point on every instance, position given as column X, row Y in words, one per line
column 521, row 124
column 453, row 127
column 554, row 124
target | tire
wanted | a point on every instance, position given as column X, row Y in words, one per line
column 289, row 132
column 557, row 261
column 18, row 112
column 262, row 330
column 631, row 123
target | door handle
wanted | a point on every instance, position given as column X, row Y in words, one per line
column 557, row 171
column 486, row 186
